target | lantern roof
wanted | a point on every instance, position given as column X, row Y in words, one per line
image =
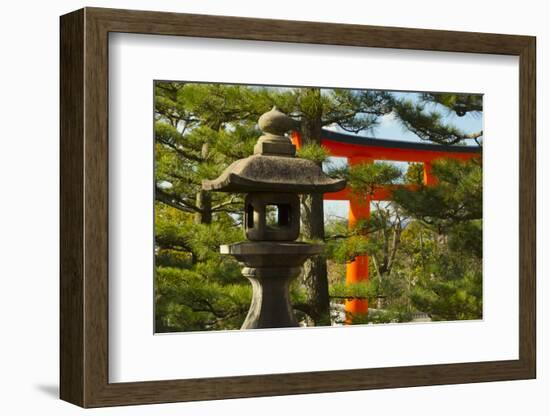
column 273, row 167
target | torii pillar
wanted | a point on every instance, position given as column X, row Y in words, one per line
column 358, row 269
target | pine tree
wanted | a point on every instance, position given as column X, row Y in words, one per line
column 446, row 260
column 199, row 130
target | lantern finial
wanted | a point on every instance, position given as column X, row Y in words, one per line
column 275, row 124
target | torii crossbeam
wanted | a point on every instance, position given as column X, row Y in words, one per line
column 358, row 149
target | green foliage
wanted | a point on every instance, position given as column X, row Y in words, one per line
column 385, row 316
column 467, row 238
column 363, row 178
column 360, row 290
column 447, row 286
column 457, row 197
column 199, row 130
column 347, row 249
column 450, row 299
column 187, row 298
column 443, row 246
column 415, row 174
column 355, row 110
column 196, row 287
column 313, row 152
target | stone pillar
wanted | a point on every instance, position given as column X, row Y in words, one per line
column 270, row 307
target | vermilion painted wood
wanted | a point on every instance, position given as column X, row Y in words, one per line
column 397, row 152
column 84, row 207
column 358, row 269
column 384, row 153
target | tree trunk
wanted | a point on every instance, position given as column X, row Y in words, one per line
column 203, row 199
column 314, row 277
column 204, row 203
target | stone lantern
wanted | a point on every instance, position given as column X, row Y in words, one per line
column 273, row 178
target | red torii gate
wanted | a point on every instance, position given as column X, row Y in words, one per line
column 358, row 149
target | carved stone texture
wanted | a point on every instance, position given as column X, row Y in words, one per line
column 274, row 173
column 276, row 123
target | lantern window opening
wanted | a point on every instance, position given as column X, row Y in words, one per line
column 277, row 215
column 250, row 216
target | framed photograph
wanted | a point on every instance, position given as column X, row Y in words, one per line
column 254, row 207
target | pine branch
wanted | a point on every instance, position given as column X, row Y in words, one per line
column 337, row 236
column 474, row 135
column 303, row 307
column 180, row 245
column 340, row 118
column 428, row 126
column 220, row 206
column 180, row 150
column 171, row 200
column 349, row 129
column 348, row 297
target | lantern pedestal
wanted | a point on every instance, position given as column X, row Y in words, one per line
column 270, row 267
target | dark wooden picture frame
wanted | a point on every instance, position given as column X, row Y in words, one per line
column 84, row 207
